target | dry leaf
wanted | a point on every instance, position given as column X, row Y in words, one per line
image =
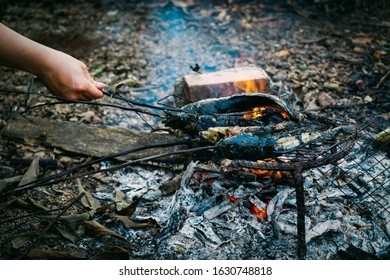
column 68, row 235
column 103, row 209
column 362, row 40
column 378, row 54
column 130, row 209
column 120, row 200
column 283, row 53
column 147, row 223
column 75, row 220
column 21, row 239
column 4, row 183
column 88, row 200
column 98, row 229
column 31, row 173
column 37, row 204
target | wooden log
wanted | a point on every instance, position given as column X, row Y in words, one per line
column 92, row 140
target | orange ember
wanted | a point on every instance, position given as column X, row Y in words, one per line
column 273, row 174
column 258, row 86
column 232, row 198
column 261, row 213
column 261, row 111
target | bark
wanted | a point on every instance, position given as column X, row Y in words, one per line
column 92, row 140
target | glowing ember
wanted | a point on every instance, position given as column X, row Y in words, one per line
column 266, row 110
column 232, row 198
column 259, row 86
column 261, row 213
column 272, row 174
column 275, row 175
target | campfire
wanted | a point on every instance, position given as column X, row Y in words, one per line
column 301, row 188
column 259, row 174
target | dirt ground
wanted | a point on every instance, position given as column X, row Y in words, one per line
column 334, row 55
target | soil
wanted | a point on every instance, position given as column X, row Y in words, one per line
column 334, row 55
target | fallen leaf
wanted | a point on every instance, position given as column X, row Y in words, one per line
column 37, row 204
column 283, row 53
column 75, row 220
column 88, row 200
column 147, row 223
column 358, row 49
column 103, row 209
column 130, row 209
column 4, row 183
column 362, row 40
column 31, row 173
column 97, row 229
column 66, row 234
column 120, row 200
column 21, row 239
column 378, row 54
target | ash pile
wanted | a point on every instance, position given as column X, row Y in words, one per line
column 242, row 203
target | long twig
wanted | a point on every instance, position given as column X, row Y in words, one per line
column 56, row 179
column 63, row 100
column 60, row 176
column 119, row 97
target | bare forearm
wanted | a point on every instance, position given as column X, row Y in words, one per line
column 62, row 74
column 19, row 52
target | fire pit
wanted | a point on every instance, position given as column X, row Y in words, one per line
column 260, row 175
column 314, row 177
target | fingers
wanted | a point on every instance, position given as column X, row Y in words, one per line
column 99, row 85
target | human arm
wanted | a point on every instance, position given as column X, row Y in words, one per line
column 63, row 75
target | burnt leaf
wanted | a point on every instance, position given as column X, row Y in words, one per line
column 120, row 200
column 66, row 234
column 37, row 204
column 130, row 209
column 75, row 220
column 88, row 200
column 22, row 239
column 128, row 223
column 97, row 229
column 102, row 209
column 4, row 183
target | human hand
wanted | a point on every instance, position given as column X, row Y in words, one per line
column 67, row 77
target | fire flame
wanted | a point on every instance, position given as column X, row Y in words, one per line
column 261, row 111
column 259, row 86
column 252, row 85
